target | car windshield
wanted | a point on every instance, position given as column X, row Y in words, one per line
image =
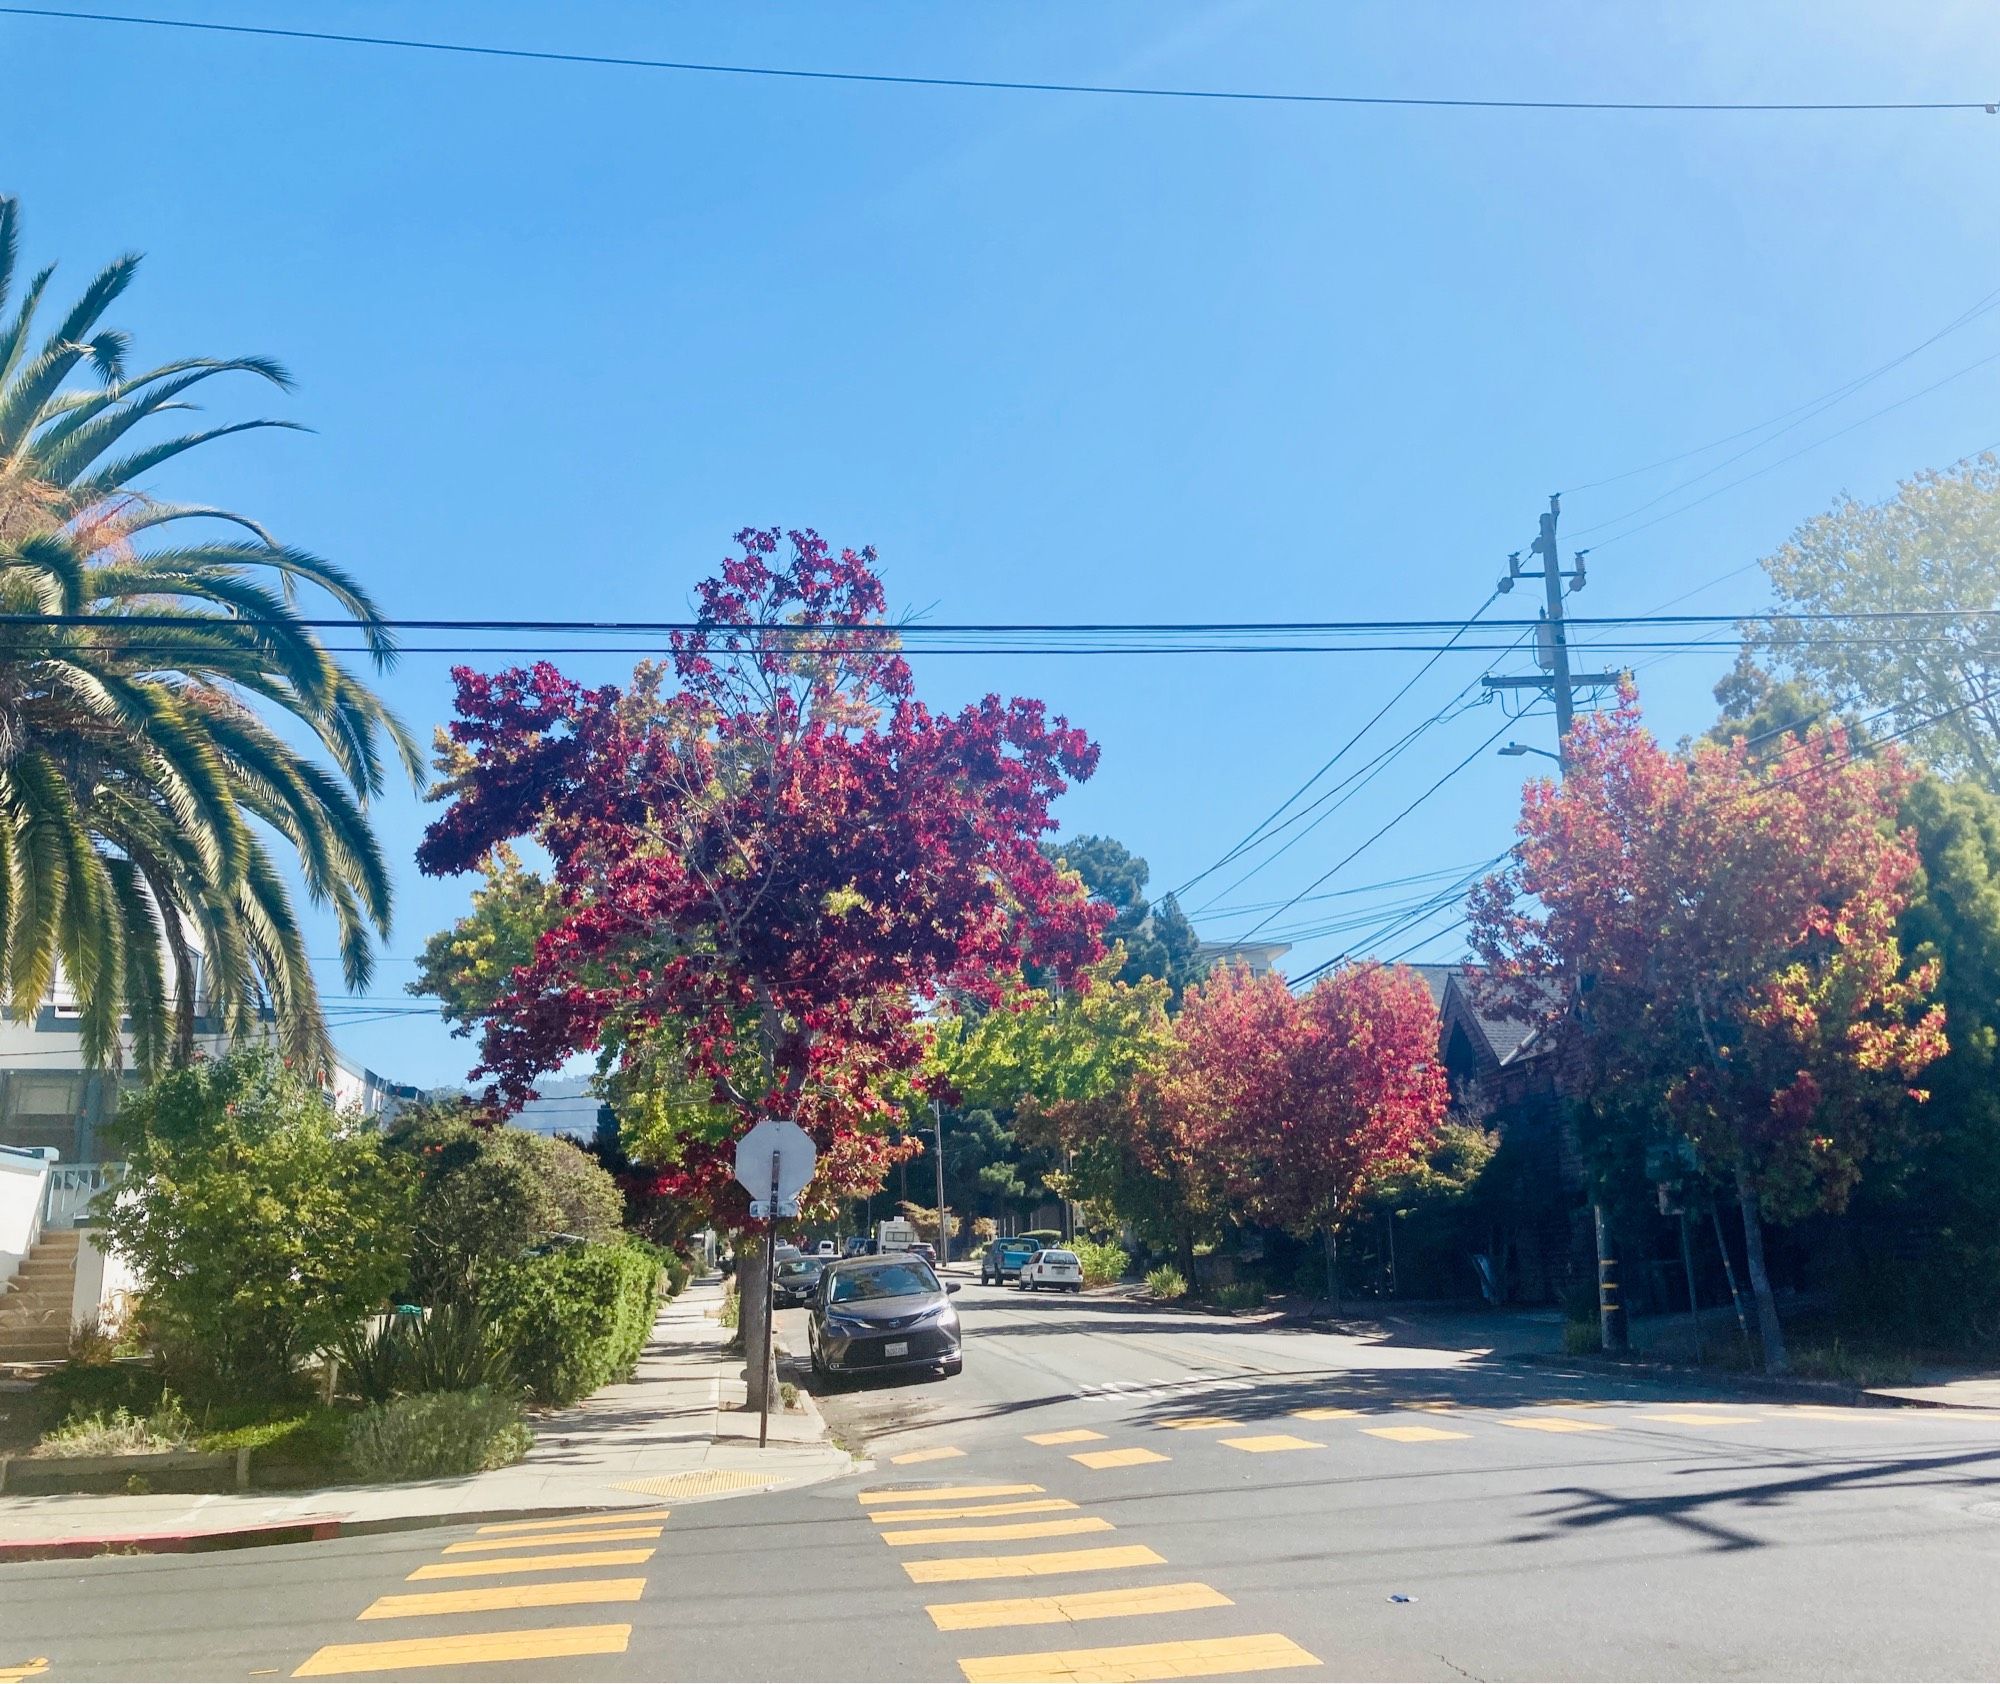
column 892, row 1280
column 797, row 1266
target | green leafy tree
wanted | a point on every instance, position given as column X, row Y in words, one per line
column 1928, row 550
column 263, row 1223
column 1158, row 940
column 470, row 965
column 153, row 697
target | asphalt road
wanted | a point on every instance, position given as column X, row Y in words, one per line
column 1146, row 1494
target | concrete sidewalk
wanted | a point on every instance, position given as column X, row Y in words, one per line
column 675, row 1433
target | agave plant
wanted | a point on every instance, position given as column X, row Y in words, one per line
column 146, row 648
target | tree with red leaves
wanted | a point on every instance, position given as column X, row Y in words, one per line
column 1728, row 932
column 1299, row 1103
column 769, row 857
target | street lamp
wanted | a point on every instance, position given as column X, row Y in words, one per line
column 1524, row 748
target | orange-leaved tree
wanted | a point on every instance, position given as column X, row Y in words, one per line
column 1727, row 933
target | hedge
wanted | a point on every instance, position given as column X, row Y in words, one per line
column 576, row 1319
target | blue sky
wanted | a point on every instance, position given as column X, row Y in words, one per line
column 560, row 331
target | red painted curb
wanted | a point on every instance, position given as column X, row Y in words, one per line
column 170, row 1543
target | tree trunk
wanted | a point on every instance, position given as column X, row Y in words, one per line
column 1769, row 1333
column 753, row 1300
column 1331, row 1243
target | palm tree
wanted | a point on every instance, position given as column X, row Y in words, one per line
column 148, row 649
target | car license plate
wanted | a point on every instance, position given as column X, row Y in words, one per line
column 896, row 1348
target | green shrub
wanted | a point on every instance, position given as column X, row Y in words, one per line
column 263, row 1222
column 437, row 1435
column 487, row 1195
column 121, row 1433
column 1581, row 1338
column 1102, row 1264
column 576, row 1319
column 678, row 1273
column 1238, row 1295
column 1167, row 1282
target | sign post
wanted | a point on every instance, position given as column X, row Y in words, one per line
column 774, row 1161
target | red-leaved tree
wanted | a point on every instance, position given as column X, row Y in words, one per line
column 1298, row 1102
column 769, row 855
column 1727, row 930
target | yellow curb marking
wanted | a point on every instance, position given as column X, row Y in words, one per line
column 945, row 1493
column 1410, row 1435
column 1212, row 1657
column 1116, row 1458
column 947, row 1569
column 539, row 1540
column 1075, row 1435
column 612, row 1517
column 564, row 1593
column 965, row 1511
column 1007, row 1530
column 1556, row 1424
column 1078, row 1605
column 940, row 1455
column 473, row 1648
column 1260, row 1443
column 1686, row 1420
column 531, row 1564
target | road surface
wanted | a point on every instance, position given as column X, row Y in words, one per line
column 1114, row 1490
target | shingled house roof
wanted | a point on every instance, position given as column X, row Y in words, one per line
column 1495, row 1039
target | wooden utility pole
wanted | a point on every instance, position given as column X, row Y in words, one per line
column 1560, row 686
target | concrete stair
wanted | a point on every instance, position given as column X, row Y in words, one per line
column 35, row 1304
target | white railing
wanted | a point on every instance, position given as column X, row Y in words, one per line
column 72, row 1187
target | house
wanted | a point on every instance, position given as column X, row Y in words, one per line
column 56, row 1156
column 1503, row 1077
column 1259, row 958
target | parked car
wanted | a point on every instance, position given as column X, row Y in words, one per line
column 1050, row 1267
column 925, row 1250
column 857, row 1246
column 881, row 1314
column 825, row 1248
column 1004, row 1258
column 798, row 1280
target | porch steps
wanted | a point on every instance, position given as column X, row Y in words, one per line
column 35, row 1304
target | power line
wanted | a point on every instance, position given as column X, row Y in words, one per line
column 619, row 61
column 1804, row 412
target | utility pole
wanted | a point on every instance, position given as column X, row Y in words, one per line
column 1560, row 686
column 937, row 1151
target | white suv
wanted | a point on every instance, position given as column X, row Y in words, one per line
column 1058, row 1269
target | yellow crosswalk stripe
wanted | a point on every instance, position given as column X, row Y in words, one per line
column 1683, row 1419
column 1116, row 1458
column 965, row 1511
column 939, row 1455
column 1556, row 1424
column 1001, row 1533
column 472, row 1648
column 1078, row 1605
column 532, row 1564
column 1326, row 1414
column 1199, row 1423
column 1411, row 1435
column 1208, row 1657
column 610, row 1517
column 944, row 1493
column 1075, row 1435
column 564, row 1593
column 540, row 1540
column 947, row 1569
column 15, row 1672
column 1259, row 1444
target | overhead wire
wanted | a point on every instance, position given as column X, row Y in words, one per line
column 620, row 61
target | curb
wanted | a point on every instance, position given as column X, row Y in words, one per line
column 309, row 1530
column 1760, row 1385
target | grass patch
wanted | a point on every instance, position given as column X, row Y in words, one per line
column 1238, row 1295
column 119, row 1432
column 1167, row 1282
column 1582, row 1338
